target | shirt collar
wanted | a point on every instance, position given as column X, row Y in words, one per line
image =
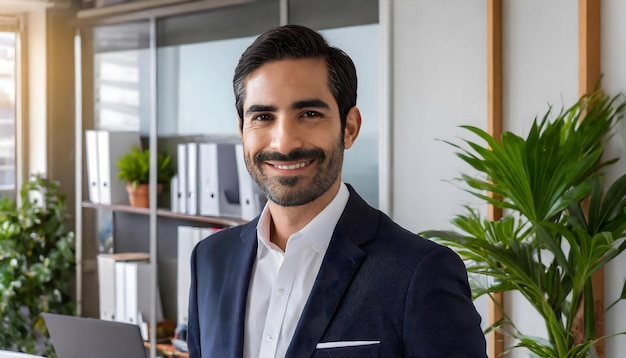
column 317, row 233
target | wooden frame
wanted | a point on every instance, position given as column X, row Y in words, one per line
column 495, row 340
column 589, row 74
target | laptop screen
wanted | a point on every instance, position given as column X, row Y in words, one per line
column 79, row 337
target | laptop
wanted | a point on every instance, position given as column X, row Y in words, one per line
column 80, row 337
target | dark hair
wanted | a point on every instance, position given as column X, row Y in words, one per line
column 298, row 42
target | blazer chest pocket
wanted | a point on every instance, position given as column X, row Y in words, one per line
column 365, row 351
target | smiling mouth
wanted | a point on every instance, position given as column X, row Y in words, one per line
column 291, row 166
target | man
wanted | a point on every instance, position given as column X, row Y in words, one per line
column 319, row 273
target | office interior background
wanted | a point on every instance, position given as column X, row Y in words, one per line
column 423, row 70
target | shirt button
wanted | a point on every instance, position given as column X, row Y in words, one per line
column 280, row 291
column 270, row 338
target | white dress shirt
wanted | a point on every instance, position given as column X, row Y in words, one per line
column 281, row 282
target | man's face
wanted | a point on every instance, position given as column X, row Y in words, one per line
column 293, row 145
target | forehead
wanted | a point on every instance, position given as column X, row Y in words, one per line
column 289, row 79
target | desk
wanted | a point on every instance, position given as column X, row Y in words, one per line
column 168, row 350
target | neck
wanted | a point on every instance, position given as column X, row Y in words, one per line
column 287, row 220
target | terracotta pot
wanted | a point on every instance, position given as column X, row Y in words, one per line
column 140, row 196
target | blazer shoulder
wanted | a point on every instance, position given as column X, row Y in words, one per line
column 401, row 239
column 227, row 238
column 369, row 227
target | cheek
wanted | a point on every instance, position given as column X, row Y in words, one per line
column 252, row 141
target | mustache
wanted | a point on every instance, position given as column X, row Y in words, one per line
column 294, row 155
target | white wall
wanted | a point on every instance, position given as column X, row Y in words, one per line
column 439, row 82
column 540, row 68
column 613, row 62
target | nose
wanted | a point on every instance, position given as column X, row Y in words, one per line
column 286, row 135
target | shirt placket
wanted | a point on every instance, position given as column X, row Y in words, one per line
column 277, row 309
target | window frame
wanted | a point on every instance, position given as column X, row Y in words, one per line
column 14, row 23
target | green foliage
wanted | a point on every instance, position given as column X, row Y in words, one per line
column 134, row 167
column 37, row 265
column 560, row 226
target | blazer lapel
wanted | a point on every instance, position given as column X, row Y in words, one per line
column 342, row 260
column 235, row 291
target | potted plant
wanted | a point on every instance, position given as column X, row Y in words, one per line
column 37, row 265
column 134, row 168
column 559, row 227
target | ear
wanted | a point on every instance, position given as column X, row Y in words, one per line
column 240, row 123
column 353, row 126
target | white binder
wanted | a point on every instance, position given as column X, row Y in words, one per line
column 218, row 180
column 120, row 292
column 192, row 178
column 188, row 238
column 182, row 177
column 111, row 146
column 111, row 294
column 137, row 293
column 106, row 287
column 174, row 197
column 251, row 196
column 91, row 147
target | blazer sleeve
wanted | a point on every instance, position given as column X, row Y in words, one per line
column 440, row 317
column 193, row 333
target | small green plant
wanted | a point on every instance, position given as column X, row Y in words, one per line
column 37, row 265
column 560, row 224
column 134, row 167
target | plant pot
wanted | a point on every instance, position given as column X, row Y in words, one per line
column 140, row 196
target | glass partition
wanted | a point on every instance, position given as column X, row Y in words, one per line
column 361, row 161
column 121, row 69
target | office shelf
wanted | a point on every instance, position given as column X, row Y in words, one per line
column 221, row 221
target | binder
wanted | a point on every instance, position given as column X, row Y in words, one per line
column 120, row 292
column 91, row 147
column 218, row 180
column 111, row 146
column 129, row 286
column 182, row 177
column 137, row 278
column 192, row 178
column 111, row 294
column 106, row 287
column 174, row 195
column 188, row 238
column 183, row 282
column 251, row 196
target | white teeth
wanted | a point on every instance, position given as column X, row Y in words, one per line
column 293, row 166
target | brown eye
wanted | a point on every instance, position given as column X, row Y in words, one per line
column 262, row 117
column 311, row 114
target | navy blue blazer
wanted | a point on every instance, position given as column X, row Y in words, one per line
column 377, row 282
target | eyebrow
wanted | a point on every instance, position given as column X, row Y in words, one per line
column 256, row 108
column 306, row 103
column 315, row 103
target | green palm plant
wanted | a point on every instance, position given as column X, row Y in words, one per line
column 559, row 225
